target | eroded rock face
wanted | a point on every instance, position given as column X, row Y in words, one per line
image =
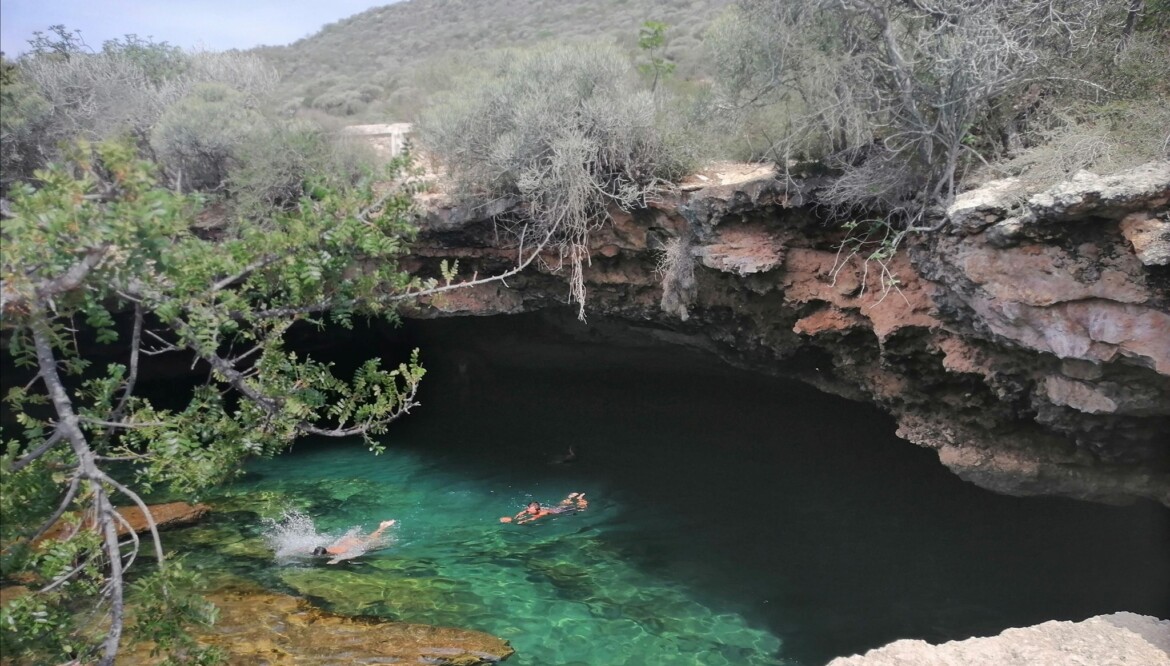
column 1104, row 640
column 1028, row 342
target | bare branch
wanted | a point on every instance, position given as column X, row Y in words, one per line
column 117, row 588
column 262, row 262
column 70, row 494
column 124, row 425
column 132, row 378
column 14, row 299
column 158, row 551
column 33, row 455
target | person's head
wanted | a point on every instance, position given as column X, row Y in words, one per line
column 533, row 507
column 320, row 550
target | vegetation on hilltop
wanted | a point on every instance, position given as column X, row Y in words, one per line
column 203, row 117
column 385, row 63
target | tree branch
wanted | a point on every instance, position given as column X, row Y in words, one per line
column 70, row 494
column 158, row 551
column 41, row 450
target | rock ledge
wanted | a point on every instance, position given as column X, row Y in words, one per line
column 1104, row 640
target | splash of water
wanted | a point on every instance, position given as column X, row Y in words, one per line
column 294, row 535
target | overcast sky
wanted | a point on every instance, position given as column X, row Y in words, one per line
column 212, row 24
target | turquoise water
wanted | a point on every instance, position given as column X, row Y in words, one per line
column 558, row 589
column 733, row 519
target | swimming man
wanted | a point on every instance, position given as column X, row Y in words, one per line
column 350, row 546
column 535, row 510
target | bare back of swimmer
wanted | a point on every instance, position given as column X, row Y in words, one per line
column 350, row 546
column 535, row 510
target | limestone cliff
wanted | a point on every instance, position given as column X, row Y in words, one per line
column 1027, row 341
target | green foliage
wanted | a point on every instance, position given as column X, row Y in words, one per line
column 158, row 61
column 59, row 42
column 652, row 40
column 1156, row 18
column 340, row 103
column 904, row 100
column 99, row 237
column 166, row 605
column 274, row 164
column 42, row 624
column 24, row 113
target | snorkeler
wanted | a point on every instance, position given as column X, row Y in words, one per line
column 535, row 510
column 350, row 546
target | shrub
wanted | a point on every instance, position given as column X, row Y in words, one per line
column 196, row 140
column 568, row 131
column 122, row 90
column 273, row 164
column 25, row 114
column 904, row 97
column 340, row 103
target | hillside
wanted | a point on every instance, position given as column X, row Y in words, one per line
column 382, row 63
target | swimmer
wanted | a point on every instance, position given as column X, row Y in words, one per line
column 535, row 510
column 350, row 546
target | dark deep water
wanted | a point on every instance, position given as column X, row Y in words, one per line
column 784, row 516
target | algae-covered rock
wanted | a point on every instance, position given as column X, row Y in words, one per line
column 349, row 592
column 256, row 626
column 225, row 538
column 269, row 504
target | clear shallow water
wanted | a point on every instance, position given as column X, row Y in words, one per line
column 734, row 519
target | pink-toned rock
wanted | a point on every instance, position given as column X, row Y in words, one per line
column 1149, row 236
column 810, row 275
column 1042, row 275
column 1079, row 395
column 828, row 319
column 742, row 250
column 1089, row 330
column 484, row 299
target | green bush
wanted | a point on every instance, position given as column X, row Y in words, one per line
column 25, row 115
column 340, row 103
column 567, row 130
column 273, row 164
column 59, row 92
column 196, row 140
column 906, row 100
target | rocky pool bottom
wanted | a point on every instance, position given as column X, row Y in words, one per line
column 734, row 519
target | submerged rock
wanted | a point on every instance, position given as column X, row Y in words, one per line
column 256, row 626
column 1105, row 640
column 368, row 591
